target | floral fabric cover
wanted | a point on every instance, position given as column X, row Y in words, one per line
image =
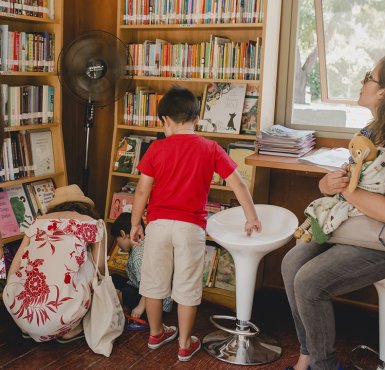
column 51, row 291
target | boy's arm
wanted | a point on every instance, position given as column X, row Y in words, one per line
column 238, row 185
column 142, row 192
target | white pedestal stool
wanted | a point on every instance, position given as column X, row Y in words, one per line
column 245, row 345
column 380, row 286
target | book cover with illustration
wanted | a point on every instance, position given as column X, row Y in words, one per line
column 225, row 277
column 121, row 202
column 250, row 111
column 42, row 152
column 222, row 108
column 44, row 191
column 117, row 259
column 238, row 152
column 8, row 223
column 20, row 205
column 126, row 154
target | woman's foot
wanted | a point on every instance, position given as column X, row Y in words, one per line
column 303, row 363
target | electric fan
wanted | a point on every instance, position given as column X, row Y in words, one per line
column 94, row 68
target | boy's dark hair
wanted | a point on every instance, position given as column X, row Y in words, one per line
column 179, row 104
column 123, row 222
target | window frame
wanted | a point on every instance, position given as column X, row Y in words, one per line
column 286, row 76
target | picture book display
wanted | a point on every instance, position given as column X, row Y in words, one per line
column 210, row 255
column 250, row 111
column 121, row 202
column 8, row 223
column 44, row 191
column 20, row 205
column 238, row 152
column 42, row 153
column 222, row 107
column 117, row 260
column 225, row 276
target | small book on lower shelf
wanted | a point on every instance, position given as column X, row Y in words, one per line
column 117, row 259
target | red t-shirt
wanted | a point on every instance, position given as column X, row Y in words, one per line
column 182, row 167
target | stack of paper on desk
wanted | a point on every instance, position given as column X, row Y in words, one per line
column 280, row 140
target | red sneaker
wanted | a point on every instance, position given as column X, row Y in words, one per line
column 169, row 334
column 185, row 354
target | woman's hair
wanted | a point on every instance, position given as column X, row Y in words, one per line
column 79, row 207
column 377, row 126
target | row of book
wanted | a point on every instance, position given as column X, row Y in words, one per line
column 219, row 268
column 21, row 204
column 283, row 141
column 224, row 107
column 31, row 8
column 192, row 11
column 26, row 51
column 27, row 105
column 25, row 154
column 219, row 58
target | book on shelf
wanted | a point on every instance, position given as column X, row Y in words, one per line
column 250, row 111
column 121, row 202
column 3, row 274
column 210, row 253
column 222, row 106
column 117, row 259
column 8, row 222
column 213, row 270
column 212, row 208
column 42, row 152
column 238, row 152
column 31, row 199
column 329, row 158
column 20, row 205
column 225, row 276
column 44, row 191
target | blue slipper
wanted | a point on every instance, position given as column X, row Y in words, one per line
column 69, row 340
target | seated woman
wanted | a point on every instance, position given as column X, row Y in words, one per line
column 314, row 273
column 48, row 288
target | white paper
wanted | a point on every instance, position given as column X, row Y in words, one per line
column 330, row 159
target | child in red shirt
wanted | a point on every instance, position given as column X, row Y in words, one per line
column 176, row 174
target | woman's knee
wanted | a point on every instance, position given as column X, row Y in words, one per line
column 309, row 286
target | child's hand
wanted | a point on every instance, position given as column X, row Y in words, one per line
column 139, row 309
column 251, row 226
column 136, row 234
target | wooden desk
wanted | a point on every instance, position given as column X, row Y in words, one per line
column 283, row 163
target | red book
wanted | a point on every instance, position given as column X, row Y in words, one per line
column 8, row 223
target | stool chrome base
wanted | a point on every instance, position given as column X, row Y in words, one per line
column 240, row 349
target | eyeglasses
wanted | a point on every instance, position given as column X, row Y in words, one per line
column 368, row 77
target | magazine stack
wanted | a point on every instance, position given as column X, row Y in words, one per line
column 283, row 141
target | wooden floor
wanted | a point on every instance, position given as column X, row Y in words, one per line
column 271, row 313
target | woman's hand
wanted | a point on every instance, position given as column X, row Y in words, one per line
column 334, row 182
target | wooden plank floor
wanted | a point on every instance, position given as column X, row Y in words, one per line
column 271, row 313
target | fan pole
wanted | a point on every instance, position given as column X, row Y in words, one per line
column 89, row 122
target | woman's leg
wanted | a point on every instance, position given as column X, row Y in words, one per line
column 292, row 262
column 338, row 270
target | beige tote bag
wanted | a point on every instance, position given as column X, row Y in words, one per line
column 104, row 321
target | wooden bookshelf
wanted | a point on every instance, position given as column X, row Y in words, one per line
column 35, row 24
column 268, row 31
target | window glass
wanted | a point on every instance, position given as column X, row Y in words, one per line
column 337, row 42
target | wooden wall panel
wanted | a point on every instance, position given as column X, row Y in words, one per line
column 79, row 17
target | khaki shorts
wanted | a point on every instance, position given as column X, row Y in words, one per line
column 173, row 261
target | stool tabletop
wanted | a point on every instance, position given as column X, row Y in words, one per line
column 227, row 229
